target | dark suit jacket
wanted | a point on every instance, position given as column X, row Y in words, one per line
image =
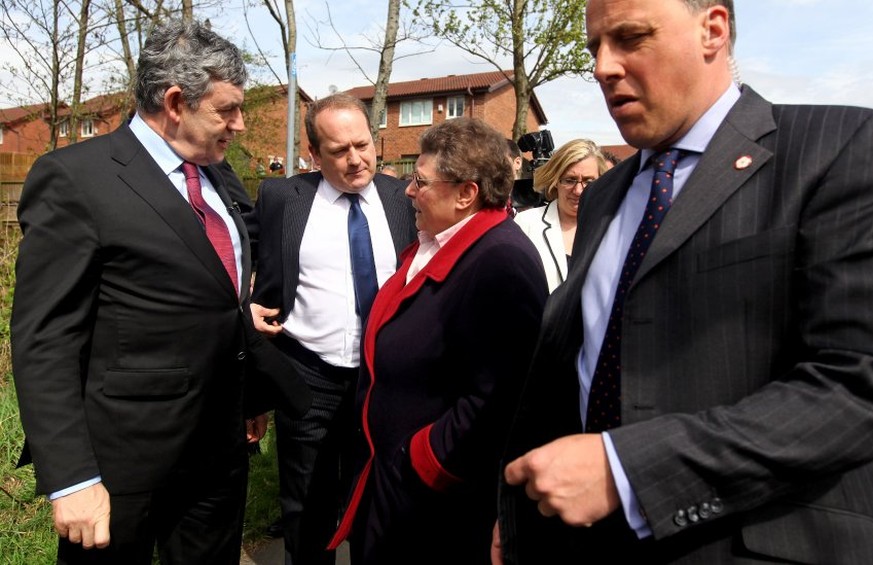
column 446, row 355
column 279, row 219
column 747, row 354
column 130, row 345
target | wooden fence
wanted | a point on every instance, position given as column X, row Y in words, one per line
column 13, row 169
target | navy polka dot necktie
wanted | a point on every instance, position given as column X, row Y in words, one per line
column 604, row 399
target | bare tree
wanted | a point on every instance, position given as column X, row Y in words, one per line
column 43, row 36
column 544, row 39
column 397, row 31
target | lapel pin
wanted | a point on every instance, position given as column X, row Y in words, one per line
column 743, row 162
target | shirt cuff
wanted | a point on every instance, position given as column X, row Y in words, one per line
column 75, row 488
column 629, row 503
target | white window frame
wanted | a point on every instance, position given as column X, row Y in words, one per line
column 425, row 114
column 87, row 128
column 1, row 134
column 64, row 128
column 452, row 103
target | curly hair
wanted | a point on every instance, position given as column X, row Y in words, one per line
column 468, row 149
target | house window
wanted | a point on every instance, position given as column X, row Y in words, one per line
column 64, row 128
column 87, row 128
column 1, row 135
column 416, row 113
column 454, row 107
column 383, row 116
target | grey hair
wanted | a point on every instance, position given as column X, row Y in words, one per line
column 187, row 55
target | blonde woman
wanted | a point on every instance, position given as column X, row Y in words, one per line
column 561, row 180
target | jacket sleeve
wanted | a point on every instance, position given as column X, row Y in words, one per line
column 58, row 277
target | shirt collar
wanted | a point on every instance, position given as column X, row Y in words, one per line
column 702, row 132
column 167, row 159
column 332, row 194
column 442, row 238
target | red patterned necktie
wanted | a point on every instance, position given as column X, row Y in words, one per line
column 216, row 229
column 604, row 399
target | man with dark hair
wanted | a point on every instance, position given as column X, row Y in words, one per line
column 315, row 282
column 714, row 337
column 131, row 336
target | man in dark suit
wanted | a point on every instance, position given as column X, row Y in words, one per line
column 724, row 371
column 132, row 340
column 305, row 295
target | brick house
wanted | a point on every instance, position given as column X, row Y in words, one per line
column 413, row 106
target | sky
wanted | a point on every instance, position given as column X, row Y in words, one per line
column 790, row 51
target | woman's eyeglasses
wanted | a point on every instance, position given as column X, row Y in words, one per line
column 421, row 183
column 571, row 182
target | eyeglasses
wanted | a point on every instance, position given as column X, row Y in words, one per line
column 571, row 183
column 420, row 182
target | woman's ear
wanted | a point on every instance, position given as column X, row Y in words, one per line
column 468, row 195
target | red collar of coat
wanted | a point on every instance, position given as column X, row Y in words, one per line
column 396, row 290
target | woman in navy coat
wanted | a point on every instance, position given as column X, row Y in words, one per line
column 447, row 345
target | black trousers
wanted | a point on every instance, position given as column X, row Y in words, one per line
column 196, row 519
column 313, row 453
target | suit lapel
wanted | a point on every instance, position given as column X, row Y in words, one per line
column 732, row 157
column 144, row 177
column 562, row 324
column 554, row 238
column 297, row 205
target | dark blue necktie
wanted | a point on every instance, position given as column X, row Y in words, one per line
column 604, row 399
column 363, row 263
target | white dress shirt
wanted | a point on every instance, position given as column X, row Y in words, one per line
column 323, row 318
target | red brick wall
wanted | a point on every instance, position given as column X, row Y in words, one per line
column 496, row 109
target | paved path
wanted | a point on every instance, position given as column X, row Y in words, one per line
column 272, row 552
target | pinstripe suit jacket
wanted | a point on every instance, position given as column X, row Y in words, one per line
column 747, row 355
column 279, row 221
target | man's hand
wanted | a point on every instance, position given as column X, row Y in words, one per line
column 569, row 477
column 256, row 428
column 260, row 317
column 83, row 516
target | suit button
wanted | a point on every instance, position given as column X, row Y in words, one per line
column 680, row 519
column 692, row 514
column 705, row 511
column 717, row 506
column 241, row 355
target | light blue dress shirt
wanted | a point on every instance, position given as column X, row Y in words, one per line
column 598, row 291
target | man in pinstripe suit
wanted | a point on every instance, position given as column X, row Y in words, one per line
column 745, row 341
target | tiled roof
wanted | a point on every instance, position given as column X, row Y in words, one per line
column 452, row 83
column 19, row 113
column 620, row 151
column 477, row 82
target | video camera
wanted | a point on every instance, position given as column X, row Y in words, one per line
column 540, row 145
